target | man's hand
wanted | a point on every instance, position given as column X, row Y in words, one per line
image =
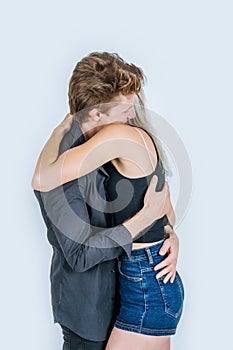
column 156, row 204
column 168, row 265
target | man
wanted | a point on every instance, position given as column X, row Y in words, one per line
column 80, row 229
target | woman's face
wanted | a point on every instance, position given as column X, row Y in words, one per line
column 122, row 110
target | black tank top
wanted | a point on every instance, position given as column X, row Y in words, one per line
column 127, row 198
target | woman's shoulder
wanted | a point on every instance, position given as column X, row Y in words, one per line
column 118, row 130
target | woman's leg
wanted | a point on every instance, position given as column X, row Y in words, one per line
column 120, row 339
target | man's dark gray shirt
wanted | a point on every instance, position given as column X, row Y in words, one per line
column 85, row 248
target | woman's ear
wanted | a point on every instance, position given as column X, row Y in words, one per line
column 95, row 114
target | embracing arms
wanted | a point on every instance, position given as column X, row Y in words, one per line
column 86, row 243
column 53, row 170
column 80, row 251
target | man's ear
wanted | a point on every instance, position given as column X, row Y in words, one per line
column 95, row 114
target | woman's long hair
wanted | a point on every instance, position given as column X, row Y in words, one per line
column 142, row 121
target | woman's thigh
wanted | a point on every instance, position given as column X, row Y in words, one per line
column 121, row 339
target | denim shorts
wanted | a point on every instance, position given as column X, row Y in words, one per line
column 147, row 305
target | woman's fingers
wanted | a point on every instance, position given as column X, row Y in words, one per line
column 66, row 123
column 68, row 116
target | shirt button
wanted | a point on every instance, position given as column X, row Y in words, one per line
column 112, row 270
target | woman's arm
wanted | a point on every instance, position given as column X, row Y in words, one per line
column 50, row 151
column 52, row 171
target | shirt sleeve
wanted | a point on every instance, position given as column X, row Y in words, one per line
column 66, row 215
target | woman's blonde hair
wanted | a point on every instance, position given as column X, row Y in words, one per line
column 142, row 120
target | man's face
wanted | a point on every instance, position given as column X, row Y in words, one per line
column 121, row 112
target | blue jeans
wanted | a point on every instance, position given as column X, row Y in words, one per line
column 73, row 341
column 148, row 306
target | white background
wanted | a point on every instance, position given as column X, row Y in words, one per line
column 185, row 50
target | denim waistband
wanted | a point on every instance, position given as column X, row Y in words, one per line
column 143, row 254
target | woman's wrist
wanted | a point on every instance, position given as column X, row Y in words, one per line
column 59, row 132
column 64, row 126
column 49, row 153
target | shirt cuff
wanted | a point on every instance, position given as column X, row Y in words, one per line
column 120, row 235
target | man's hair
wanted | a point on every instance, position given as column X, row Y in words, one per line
column 98, row 78
column 101, row 76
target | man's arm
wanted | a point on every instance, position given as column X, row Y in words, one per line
column 171, row 248
column 67, row 218
column 84, row 245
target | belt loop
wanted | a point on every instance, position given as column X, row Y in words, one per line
column 150, row 257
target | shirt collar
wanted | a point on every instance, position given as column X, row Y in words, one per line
column 77, row 134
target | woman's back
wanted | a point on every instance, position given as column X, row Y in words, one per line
column 126, row 193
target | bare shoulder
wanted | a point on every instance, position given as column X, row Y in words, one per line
column 124, row 131
column 118, row 130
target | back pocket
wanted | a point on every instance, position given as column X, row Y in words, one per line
column 173, row 295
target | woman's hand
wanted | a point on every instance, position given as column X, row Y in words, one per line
column 44, row 176
column 65, row 125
